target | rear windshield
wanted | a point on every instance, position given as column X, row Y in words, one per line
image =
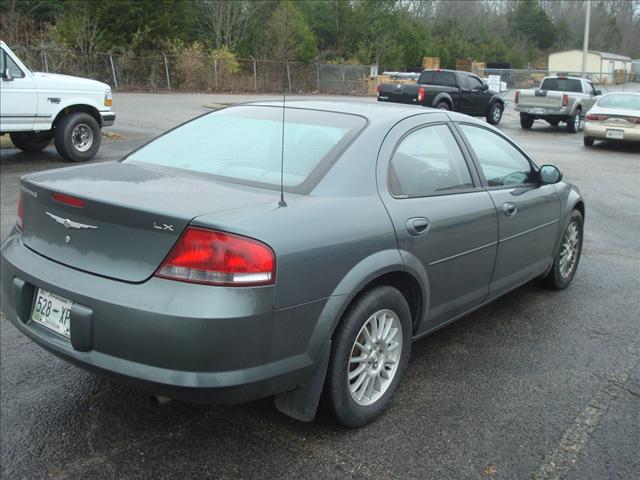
column 244, row 144
column 561, row 85
column 432, row 77
column 625, row 101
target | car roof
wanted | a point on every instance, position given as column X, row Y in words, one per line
column 375, row 112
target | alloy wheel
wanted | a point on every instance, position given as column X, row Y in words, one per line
column 374, row 358
column 496, row 113
column 569, row 249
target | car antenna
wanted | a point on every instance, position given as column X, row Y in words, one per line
column 282, row 202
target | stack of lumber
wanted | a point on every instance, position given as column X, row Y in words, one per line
column 619, row 76
column 478, row 68
column 463, row 64
column 430, row 63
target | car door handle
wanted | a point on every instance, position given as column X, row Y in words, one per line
column 418, row 226
column 509, row 209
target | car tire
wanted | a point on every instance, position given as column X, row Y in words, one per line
column 77, row 137
column 443, row 106
column 494, row 114
column 31, row 141
column 554, row 122
column 573, row 122
column 561, row 273
column 359, row 400
column 588, row 141
column 526, row 121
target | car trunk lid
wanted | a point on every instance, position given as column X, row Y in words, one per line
column 130, row 215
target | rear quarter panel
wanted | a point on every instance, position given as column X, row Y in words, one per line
column 317, row 241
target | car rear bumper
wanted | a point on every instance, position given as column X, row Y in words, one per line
column 193, row 342
column 599, row 130
column 543, row 111
column 108, row 118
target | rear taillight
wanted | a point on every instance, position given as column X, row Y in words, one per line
column 596, row 118
column 635, row 120
column 420, row 95
column 219, row 258
column 517, row 96
column 565, row 100
column 20, row 220
column 378, row 89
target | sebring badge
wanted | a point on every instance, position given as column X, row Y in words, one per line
column 70, row 223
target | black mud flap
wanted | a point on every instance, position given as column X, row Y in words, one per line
column 302, row 402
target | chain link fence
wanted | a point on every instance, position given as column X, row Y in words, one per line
column 199, row 73
column 206, row 73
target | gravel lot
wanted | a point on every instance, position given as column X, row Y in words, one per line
column 539, row 384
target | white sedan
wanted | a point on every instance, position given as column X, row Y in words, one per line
column 616, row 116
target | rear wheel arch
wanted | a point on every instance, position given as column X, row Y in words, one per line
column 407, row 285
column 442, row 98
column 579, row 205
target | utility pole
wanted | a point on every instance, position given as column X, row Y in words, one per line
column 585, row 43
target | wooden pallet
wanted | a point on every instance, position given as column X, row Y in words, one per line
column 430, row 63
column 463, row 64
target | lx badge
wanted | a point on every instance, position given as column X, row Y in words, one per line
column 164, row 226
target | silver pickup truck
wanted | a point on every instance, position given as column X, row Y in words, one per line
column 559, row 99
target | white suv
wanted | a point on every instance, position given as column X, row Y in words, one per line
column 38, row 107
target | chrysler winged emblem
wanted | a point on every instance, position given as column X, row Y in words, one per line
column 70, row 223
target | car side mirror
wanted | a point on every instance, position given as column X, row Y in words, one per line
column 484, row 87
column 598, row 92
column 6, row 75
column 549, row 174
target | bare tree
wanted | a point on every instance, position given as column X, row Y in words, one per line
column 224, row 23
column 17, row 24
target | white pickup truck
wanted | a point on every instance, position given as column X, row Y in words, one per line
column 559, row 99
column 38, row 107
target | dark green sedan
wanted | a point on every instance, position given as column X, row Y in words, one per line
column 218, row 264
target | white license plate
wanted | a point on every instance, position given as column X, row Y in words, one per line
column 52, row 311
column 537, row 111
column 616, row 134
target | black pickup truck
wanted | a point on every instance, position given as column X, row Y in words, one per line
column 447, row 90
